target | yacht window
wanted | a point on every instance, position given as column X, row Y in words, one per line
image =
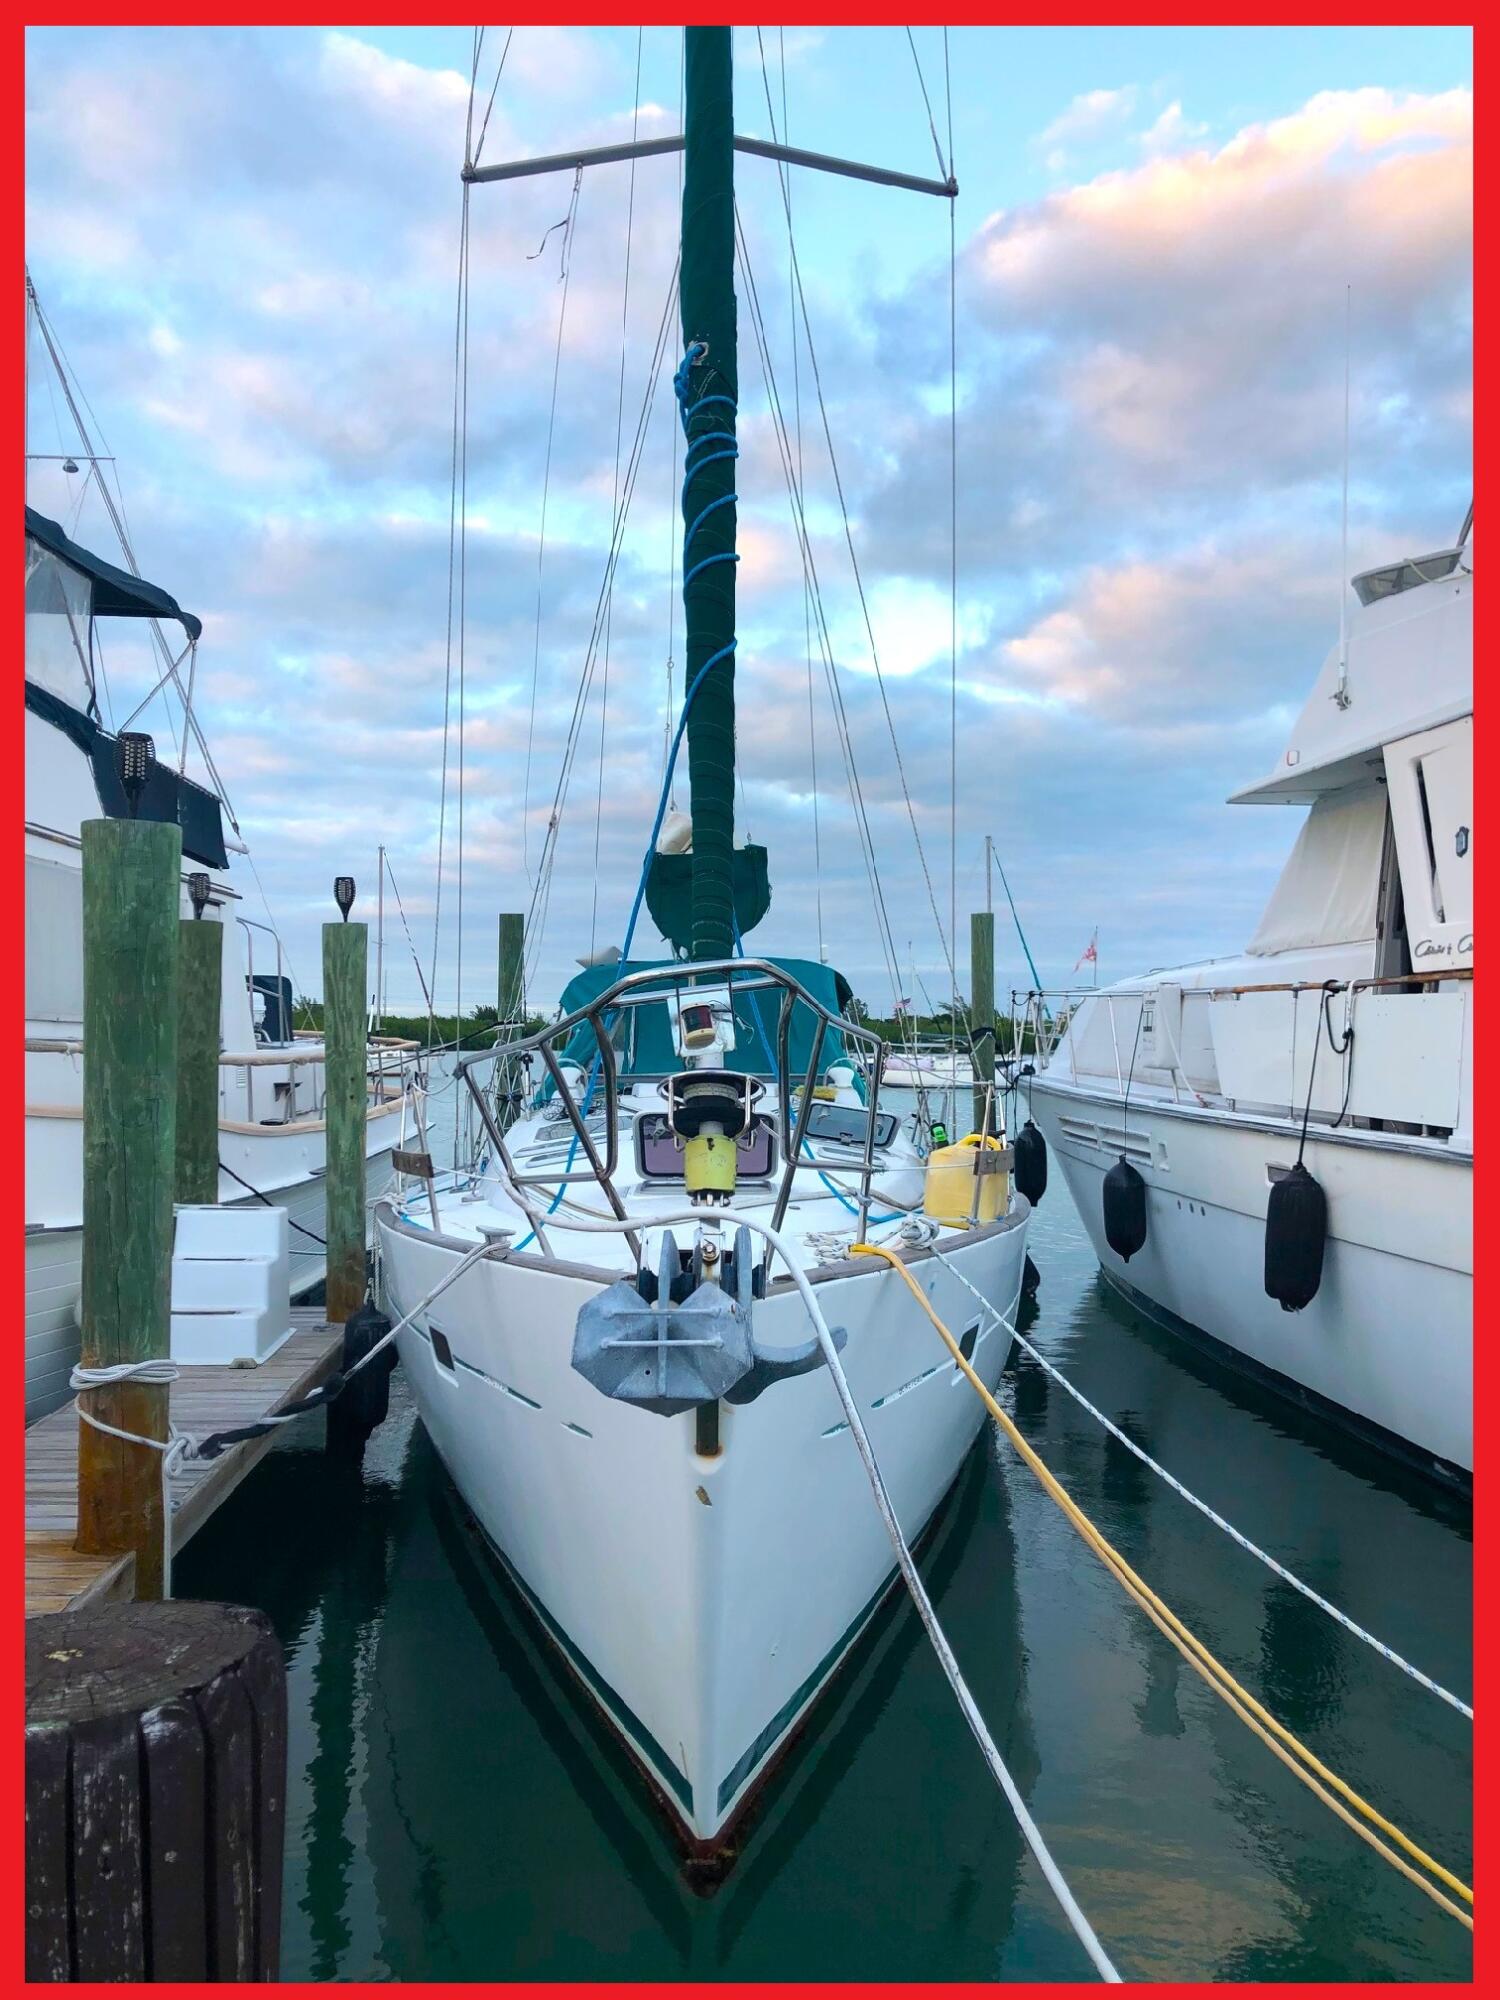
column 54, row 941
column 1329, row 887
column 659, row 1157
column 846, row 1125
column 59, row 605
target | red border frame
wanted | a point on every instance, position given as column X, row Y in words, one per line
column 12, row 892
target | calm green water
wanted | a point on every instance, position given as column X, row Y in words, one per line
column 455, row 1812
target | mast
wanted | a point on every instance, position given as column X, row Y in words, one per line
column 709, row 392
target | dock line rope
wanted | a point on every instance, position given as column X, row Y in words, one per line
column 1256, row 1718
column 1082, row 1929
column 1261, row 1555
column 292, row 1222
column 176, row 1447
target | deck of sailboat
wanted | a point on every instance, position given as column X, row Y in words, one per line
column 820, row 1222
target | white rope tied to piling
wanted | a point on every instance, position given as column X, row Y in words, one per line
column 1243, row 1541
column 179, row 1448
column 176, row 1448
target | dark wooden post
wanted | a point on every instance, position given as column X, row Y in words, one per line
column 512, row 1000
column 511, row 994
column 344, row 956
column 131, row 897
column 200, row 972
column 982, row 1015
column 155, row 1793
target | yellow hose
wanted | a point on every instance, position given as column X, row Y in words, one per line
column 1218, row 1677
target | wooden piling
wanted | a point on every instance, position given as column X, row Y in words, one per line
column 982, row 1015
column 344, row 961
column 512, row 950
column 512, row 1002
column 131, row 897
column 155, row 1793
column 200, row 971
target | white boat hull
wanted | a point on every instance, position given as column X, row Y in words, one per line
column 703, row 1601
column 1387, row 1341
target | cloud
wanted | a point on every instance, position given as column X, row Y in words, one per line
column 1170, row 131
column 251, row 257
column 1170, row 337
column 1092, row 115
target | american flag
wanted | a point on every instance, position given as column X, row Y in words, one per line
column 902, row 1006
column 1090, row 952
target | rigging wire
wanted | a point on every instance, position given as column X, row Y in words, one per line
column 952, row 561
column 67, row 378
column 841, row 720
column 411, row 942
column 460, row 370
column 566, row 225
column 812, row 737
column 463, row 578
column 114, row 501
column 615, row 497
column 541, row 888
column 676, row 448
column 943, row 166
column 849, row 542
column 485, row 125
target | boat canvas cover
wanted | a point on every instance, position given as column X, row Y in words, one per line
column 647, row 1047
column 1330, row 886
column 116, row 593
column 168, row 795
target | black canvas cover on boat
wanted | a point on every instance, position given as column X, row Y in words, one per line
column 669, row 893
column 116, row 593
column 168, row 797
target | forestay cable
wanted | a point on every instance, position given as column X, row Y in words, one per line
column 947, row 946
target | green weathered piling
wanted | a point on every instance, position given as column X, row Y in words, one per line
column 511, row 994
column 982, row 1014
column 344, row 958
column 512, row 1001
column 131, row 871
column 200, row 964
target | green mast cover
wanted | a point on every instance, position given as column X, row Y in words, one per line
column 706, row 296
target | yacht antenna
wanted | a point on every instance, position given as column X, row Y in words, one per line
column 1341, row 692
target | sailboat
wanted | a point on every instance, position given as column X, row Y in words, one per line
column 610, row 1341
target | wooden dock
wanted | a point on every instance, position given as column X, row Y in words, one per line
column 202, row 1400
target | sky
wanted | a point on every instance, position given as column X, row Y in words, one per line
column 1166, row 245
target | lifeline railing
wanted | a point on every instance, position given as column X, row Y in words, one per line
column 651, row 986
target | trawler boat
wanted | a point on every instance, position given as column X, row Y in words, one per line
column 612, row 1338
column 271, row 1132
column 1338, row 1049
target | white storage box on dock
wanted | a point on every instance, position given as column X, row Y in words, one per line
column 231, row 1284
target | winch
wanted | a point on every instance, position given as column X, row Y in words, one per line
column 707, row 1110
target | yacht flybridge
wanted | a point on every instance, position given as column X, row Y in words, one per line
column 1191, row 1109
column 271, row 1131
column 623, row 1323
